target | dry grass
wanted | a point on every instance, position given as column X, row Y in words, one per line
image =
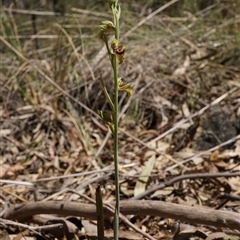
column 178, row 61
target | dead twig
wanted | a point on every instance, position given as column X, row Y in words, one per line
column 183, row 177
column 31, row 228
column 196, row 215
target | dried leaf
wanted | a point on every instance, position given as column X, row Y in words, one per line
column 214, row 156
column 143, row 179
column 22, row 235
column 5, row 132
column 185, row 110
column 221, row 236
column 68, row 230
column 7, row 171
column 90, row 227
column 4, row 235
column 234, row 182
column 182, row 69
column 123, row 234
column 201, row 53
column 189, row 233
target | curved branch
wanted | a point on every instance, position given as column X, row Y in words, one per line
column 217, row 218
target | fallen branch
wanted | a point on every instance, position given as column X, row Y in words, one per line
column 193, row 215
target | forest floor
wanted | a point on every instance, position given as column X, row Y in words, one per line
column 179, row 138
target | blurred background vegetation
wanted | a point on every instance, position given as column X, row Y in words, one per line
column 61, row 38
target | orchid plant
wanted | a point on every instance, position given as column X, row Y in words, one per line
column 116, row 53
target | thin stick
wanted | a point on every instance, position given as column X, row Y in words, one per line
column 183, row 177
column 31, row 228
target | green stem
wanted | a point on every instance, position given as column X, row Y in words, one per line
column 115, row 119
column 115, row 10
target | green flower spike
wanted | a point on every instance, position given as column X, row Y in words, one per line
column 114, row 44
column 106, row 27
column 124, row 86
column 119, row 50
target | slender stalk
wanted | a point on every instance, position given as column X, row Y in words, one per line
column 115, row 119
column 116, row 56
